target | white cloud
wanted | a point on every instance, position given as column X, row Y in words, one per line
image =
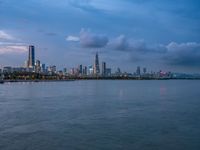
column 5, row 36
column 73, row 38
column 173, row 46
column 10, row 49
column 7, row 46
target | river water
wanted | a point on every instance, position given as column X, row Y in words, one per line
column 100, row 115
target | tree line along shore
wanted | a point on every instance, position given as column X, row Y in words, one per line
column 37, row 77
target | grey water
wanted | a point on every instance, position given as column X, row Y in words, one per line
column 100, row 115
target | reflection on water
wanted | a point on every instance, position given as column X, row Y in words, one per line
column 96, row 115
column 163, row 91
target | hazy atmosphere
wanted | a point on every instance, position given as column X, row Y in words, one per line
column 126, row 33
column 99, row 74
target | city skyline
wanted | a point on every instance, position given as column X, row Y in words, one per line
column 34, row 66
column 158, row 35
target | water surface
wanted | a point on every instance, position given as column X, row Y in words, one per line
column 100, row 115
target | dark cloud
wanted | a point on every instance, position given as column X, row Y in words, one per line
column 185, row 54
column 90, row 40
column 139, row 46
column 158, row 48
column 120, row 43
column 173, row 54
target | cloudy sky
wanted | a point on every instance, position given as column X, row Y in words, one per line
column 127, row 33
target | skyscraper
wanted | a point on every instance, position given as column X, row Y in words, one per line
column 108, row 72
column 138, row 71
column 37, row 66
column 80, row 69
column 103, row 68
column 31, row 57
column 43, row 68
column 85, row 70
column 91, row 70
column 96, row 65
column 144, row 70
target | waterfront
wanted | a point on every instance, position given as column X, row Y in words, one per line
column 99, row 114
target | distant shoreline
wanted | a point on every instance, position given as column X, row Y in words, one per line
column 76, row 79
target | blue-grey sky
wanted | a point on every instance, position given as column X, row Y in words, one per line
column 127, row 33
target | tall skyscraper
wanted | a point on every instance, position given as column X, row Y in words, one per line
column 80, row 69
column 31, row 57
column 103, row 68
column 138, row 70
column 96, row 65
column 144, row 70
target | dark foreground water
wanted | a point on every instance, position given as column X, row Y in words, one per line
column 100, row 115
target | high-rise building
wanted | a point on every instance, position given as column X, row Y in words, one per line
column 108, row 72
column 43, row 68
column 31, row 57
column 138, row 71
column 144, row 70
column 37, row 66
column 85, row 70
column 72, row 71
column 52, row 69
column 91, row 70
column 96, row 65
column 118, row 72
column 103, row 68
column 80, row 69
column 65, row 71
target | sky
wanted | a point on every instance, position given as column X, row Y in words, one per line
column 158, row 35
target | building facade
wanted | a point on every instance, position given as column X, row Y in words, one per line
column 31, row 57
column 96, row 65
column 103, row 68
